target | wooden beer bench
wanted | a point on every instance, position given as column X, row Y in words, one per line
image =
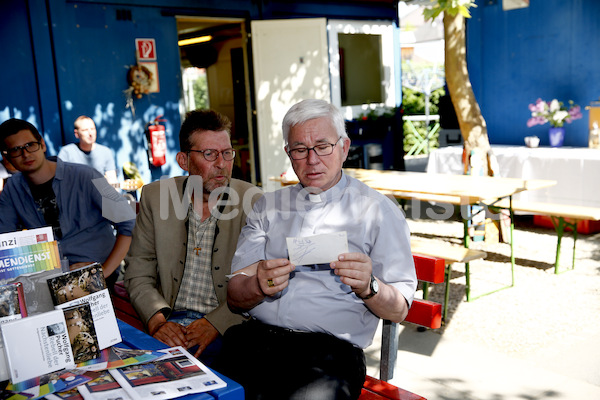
column 450, row 255
column 563, row 216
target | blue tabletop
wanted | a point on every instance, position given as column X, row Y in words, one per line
column 136, row 339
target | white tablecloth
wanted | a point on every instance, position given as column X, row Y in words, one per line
column 577, row 170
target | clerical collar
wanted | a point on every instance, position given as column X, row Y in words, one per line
column 330, row 193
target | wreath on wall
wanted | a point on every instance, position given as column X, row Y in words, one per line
column 140, row 81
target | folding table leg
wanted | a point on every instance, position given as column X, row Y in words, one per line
column 447, row 292
column 512, row 257
column 559, row 226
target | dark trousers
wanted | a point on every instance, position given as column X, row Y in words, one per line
column 273, row 363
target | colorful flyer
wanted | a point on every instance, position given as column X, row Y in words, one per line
column 28, row 259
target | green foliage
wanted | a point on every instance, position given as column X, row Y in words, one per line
column 413, row 103
column 376, row 113
column 452, row 7
column 410, row 139
column 201, row 92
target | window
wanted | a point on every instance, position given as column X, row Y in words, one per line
column 364, row 65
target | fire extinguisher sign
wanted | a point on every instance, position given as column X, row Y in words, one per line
column 145, row 49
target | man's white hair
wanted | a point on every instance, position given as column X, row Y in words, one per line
column 310, row 109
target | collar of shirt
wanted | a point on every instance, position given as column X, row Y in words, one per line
column 326, row 196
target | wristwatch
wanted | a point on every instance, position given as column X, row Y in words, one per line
column 374, row 285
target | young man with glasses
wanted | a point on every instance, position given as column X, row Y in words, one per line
column 310, row 323
column 185, row 236
column 74, row 200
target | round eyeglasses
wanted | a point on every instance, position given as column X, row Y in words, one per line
column 323, row 149
column 15, row 152
column 212, row 154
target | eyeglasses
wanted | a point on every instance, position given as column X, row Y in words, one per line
column 300, row 153
column 15, row 152
column 212, row 154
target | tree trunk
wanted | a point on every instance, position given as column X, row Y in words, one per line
column 477, row 156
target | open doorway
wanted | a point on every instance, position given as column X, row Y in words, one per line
column 215, row 75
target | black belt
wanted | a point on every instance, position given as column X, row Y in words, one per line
column 275, row 330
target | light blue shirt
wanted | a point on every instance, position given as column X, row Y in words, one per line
column 100, row 158
column 87, row 235
column 316, row 300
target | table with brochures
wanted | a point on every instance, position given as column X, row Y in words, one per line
column 137, row 339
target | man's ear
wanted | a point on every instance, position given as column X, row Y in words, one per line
column 43, row 142
column 182, row 160
column 346, row 148
column 76, row 134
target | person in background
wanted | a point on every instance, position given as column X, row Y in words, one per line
column 184, row 239
column 310, row 323
column 75, row 200
column 88, row 152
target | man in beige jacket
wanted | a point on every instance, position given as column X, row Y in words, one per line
column 185, row 236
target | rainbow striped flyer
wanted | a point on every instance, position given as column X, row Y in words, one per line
column 28, row 259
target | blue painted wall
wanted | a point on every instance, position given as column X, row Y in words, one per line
column 548, row 50
column 65, row 58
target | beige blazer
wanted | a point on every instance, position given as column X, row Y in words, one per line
column 156, row 257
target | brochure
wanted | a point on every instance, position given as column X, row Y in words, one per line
column 59, row 381
column 72, row 394
column 87, row 285
column 28, row 259
column 12, row 302
column 103, row 388
column 12, row 307
column 26, row 237
column 176, row 374
column 37, row 345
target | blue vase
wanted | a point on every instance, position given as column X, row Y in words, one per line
column 557, row 136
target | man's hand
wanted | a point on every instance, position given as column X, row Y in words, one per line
column 354, row 269
column 273, row 275
column 201, row 333
column 250, row 285
column 170, row 333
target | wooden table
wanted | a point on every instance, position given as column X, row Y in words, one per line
column 463, row 190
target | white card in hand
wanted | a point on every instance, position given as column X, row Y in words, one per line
column 317, row 249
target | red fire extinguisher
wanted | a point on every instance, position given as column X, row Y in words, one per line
column 157, row 142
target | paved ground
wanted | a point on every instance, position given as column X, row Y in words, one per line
column 537, row 340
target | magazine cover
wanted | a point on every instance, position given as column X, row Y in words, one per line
column 176, row 374
column 87, row 285
column 12, row 307
column 26, row 237
column 77, row 283
column 37, row 345
column 82, row 333
column 103, row 388
column 28, row 259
